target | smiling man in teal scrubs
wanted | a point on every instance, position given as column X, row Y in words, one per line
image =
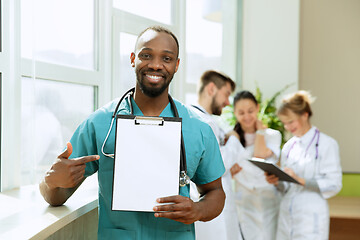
column 155, row 60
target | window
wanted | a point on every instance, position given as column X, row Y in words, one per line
column 60, row 81
column 51, row 111
column 203, row 42
column 203, row 47
column 124, row 71
column 158, row 10
column 50, row 49
column 128, row 21
column 9, row 69
column 59, row 32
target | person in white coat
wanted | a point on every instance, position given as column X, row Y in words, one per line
column 312, row 158
column 214, row 90
column 257, row 200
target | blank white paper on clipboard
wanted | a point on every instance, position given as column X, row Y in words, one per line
column 147, row 161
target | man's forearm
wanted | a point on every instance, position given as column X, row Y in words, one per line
column 55, row 196
column 211, row 204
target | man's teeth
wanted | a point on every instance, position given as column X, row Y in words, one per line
column 154, row 77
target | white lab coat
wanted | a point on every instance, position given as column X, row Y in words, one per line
column 257, row 200
column 304, row 210
column 226, row 225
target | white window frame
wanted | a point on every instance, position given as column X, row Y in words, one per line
column 13, row 67
column 11, row 93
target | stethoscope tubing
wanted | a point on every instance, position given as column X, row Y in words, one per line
column 130, row 91
column 317, row 133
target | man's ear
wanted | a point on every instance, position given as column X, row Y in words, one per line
column 132, row 59
column 177, row 64
column 211, row 89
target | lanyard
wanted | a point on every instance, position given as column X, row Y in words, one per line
column 194, row 106
column 184, row 179
column 317, row 133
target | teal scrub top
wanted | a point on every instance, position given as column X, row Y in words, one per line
column 204, row 165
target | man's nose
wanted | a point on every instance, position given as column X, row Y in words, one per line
column 227, row 102
column 156, row 64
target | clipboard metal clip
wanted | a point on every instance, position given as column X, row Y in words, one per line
column 159, row 121
column 184, row 179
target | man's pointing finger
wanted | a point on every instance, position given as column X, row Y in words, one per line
column 85, row 159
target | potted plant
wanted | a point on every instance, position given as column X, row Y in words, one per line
column 267, row 112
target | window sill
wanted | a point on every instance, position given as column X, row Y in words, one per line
column 24, row 214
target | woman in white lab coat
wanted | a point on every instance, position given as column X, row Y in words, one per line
column 257, row 200
column 312, row 158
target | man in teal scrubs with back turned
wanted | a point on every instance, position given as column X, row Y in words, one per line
column 155, row 60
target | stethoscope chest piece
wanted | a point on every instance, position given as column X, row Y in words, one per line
column 184, row 179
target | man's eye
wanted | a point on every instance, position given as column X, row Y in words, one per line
column 167, row 59
column 145, row 55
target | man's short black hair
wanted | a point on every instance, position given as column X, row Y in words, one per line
column 160, row 29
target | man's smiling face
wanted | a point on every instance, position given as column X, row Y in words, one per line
column 156, row 61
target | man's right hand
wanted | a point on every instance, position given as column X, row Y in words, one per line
column 65, row 172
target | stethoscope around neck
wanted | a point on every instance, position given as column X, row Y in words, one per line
column 317, row 134
column 184, row 178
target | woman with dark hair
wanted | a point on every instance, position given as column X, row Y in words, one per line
column 257, row 200
column 312, row 158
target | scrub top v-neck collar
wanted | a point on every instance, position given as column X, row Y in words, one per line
column 137, row 111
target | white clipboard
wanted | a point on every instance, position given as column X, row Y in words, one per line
column 147, row 161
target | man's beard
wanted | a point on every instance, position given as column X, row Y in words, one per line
column 152, row 91
column 215, row 108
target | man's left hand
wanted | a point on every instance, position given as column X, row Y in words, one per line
column 179, row 208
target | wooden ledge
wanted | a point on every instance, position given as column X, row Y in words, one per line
column 344, row 207
column 24, row 214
